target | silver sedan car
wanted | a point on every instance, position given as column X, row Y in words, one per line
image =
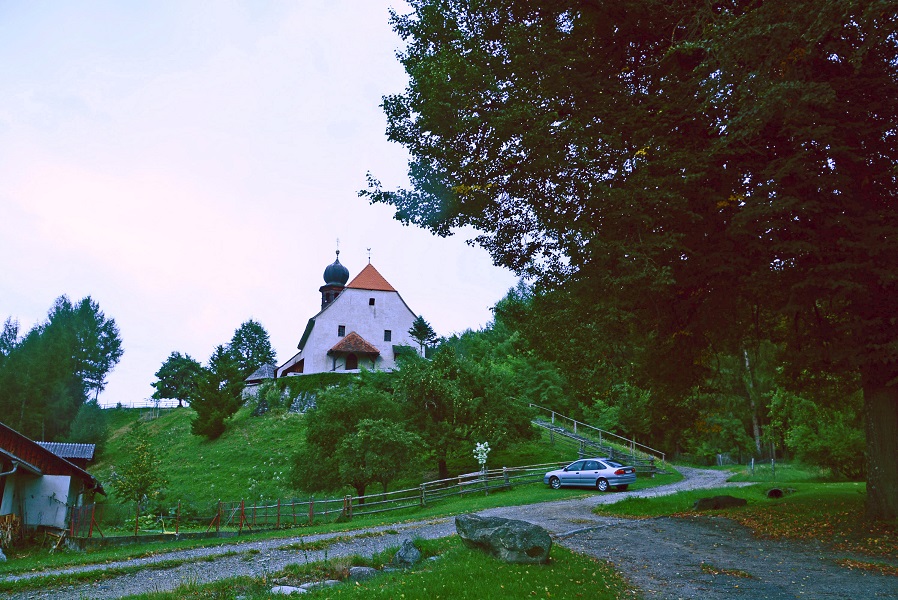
column 600, row 473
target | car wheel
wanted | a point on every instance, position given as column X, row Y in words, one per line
column 621, row 488
column 602, row 485
column 554, row 483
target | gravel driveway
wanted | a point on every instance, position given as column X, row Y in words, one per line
column 663, row 557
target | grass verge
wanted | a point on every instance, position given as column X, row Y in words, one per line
column 831, row 513
column 459, row 572
column 37, row 559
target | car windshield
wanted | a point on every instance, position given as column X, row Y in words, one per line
column 613, row 464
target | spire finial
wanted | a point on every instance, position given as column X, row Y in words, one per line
column 338, row 248
column 369, row 256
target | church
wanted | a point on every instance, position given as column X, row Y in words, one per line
column 363, row 324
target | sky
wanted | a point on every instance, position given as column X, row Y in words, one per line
column 191, row 165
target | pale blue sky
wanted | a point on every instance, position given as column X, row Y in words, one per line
column 190, row 165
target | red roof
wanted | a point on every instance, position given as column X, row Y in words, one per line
column 355, row 344
column 33, row 457
column 370, row 279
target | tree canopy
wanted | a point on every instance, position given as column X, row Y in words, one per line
column 177, row 378
column 704, row 175
column 251, row 347
column 48, row 374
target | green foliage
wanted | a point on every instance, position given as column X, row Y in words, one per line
column 90, row 426
column 58, row 365
column 692, row 176
column 331, row 456
column 251, row 347
column 422, row 332
column 827, row 437
column 383, row 450
column 138, row 476
column 177, row 378
column 218, row 394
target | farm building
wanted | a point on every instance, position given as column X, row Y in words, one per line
column 38, row 486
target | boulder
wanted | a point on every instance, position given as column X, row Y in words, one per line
column 2, row 556
column 361, row 573
column 718, row 502
column 287, row 590
column 407, row 555
column 779, row 492
column 507, row 539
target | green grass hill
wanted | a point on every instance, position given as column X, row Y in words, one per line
column 253, row 459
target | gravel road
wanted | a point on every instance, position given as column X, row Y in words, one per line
column 663, row 557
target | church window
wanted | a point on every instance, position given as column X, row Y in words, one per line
column 341, row 330
column 370, row 301
column 388, row 335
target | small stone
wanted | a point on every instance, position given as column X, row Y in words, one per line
column 361, row 573
column 407, row 555
column 287, row 589
column 2, row 556
column 306, row 587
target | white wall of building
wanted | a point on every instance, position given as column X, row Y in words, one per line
column 353, row 309
column 38, row 500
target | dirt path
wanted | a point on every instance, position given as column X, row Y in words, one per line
column 663, row 557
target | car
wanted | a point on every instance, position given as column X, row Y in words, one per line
column 601, row 473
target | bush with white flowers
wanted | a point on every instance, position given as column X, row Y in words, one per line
column 481, row 450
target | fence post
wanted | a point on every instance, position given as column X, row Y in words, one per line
column 218, row 520
column 277, row 525
column 136, row 516
column 90, row 530
column 242, row 517
column 505, row 476
column 72, row 522
column 423, row 496
column 178, row 518
column 311, row 510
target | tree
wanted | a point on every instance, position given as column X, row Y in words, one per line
column 50, row 372
column 218, row 394
column 90, row 425
column 251, row 347
column 717, row 173
column 381, row 449
column 177, row 378
column 422, row 332
column 332, row 455
column 139, row 477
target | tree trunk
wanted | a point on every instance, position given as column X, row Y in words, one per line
column 750, row 392
column 881, row 426
column 444, row 470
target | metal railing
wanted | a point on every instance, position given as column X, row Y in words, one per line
column 603, row 437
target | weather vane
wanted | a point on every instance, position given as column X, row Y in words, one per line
column 338, row 246
column 369, row 256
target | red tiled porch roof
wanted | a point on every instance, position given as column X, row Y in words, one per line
column 355, row 344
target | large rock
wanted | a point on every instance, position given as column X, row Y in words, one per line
column 361, row 573
column 718, row 502
column 2, row 556
column 507, row 539
column 407, row 555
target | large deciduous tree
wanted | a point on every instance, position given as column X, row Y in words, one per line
column 177, row 378
column 712, row 173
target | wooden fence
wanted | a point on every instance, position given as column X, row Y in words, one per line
column 92, row 519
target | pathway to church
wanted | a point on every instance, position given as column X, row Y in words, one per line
column 663, row 557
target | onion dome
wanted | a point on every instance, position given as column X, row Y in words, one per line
column 336, row 273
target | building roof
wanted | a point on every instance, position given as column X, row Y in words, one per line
column 268, row 371
column 70, row 450
column 35, row 458
column 355, row 344
column 370, row 279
